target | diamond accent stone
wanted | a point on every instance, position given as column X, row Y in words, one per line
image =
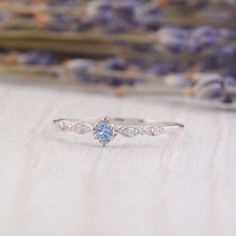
column 104, row 131
column 82, row 128
column 129, row 131
column 65, row 125
column 154, row 130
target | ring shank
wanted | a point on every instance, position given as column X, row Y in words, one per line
column 122, row 122
column 128, row 121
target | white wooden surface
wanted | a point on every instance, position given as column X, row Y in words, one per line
column 52, row 184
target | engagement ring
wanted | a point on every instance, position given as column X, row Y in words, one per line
column 104, row 130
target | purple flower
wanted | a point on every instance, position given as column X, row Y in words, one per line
column 79, row 70
column 228, row 52
column 210, row 86
column 37, row 57
column 115, row 26
column 149, row 8
column 227, row 98
column 101, row 11
column 116, row 63
column 217, row 57
column 174, row 39
column 149, row 16
column 138, row 62
column 227, row 33
column 81, row 66
column 214, row 87
column 201, row 37
column 231, row 71
column 229, row 81
column 86, row 23
column 164, row 68
column 59, row 22
column 126, row 12
column 104, row 16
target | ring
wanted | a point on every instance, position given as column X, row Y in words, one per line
column 106, row 129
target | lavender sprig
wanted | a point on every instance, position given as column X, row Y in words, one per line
column 116, row 73
column 112, row 17
column 168, row 43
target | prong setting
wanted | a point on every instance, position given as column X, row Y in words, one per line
column 104, row 131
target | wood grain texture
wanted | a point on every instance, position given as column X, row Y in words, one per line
column 65, row 185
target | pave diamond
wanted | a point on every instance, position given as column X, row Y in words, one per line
column 129, row 131
column 154, row 130
column 64, row 125
column 81, row 128
column 104, row 131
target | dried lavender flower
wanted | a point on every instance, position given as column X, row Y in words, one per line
column 173, row 39
column 78, row 69
column 202, row 37
column 213, row 87
column 149, row 16
column 37, row 57
column 115, row 63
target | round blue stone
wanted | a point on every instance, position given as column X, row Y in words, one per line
column 104, row 131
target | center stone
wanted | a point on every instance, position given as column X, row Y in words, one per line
column 104, row 131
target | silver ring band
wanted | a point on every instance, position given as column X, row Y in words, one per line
column 105, row 129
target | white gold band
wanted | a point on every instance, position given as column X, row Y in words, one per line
column 105, row 129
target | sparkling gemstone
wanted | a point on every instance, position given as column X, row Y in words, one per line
column 154, row 130
column 81, row 128
column 65, row 125
column 104, row 131
column 129, row 131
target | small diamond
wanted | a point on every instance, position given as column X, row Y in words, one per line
column 155, row 131
column 129, row 131
column 81, row 128
column 65, row 125
column 104, row 131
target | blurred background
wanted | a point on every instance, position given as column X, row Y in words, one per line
column 172, row 48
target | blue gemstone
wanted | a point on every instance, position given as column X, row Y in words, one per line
column 104, row 131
